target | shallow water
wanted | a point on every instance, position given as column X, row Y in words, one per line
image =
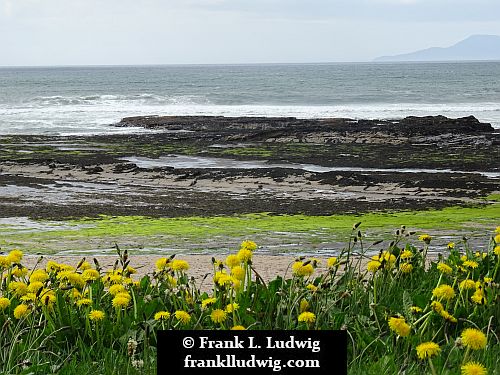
column 182, row 161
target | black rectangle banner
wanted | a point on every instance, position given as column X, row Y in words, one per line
column 252, row 352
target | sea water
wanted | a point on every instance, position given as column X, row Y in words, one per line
column 89, row 100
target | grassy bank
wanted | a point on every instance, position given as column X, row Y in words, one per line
column 400, row 313
column 199, row 233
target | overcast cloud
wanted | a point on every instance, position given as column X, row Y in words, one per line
column 77, row 32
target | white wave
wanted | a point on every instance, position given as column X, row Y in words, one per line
column 96, row 114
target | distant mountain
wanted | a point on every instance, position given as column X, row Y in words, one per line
column 475, row 47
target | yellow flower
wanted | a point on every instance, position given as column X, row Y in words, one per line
column 313, row 288
column 52, row 266
column 232, row 261
column 249, row 245
column 20, row 271
column 179, row 265
column 307, row 317
column 302, row 269
column 4, row 262
column 130, row 270
column 15, row 256
column 96, row 315
column 84, row 302
column 437, row 307
column 39, row 275
column 467, row 284
column 238, row 328
column 162, row 315
column 474, row 338
column 4, row 303
column 332, row 262
column 207, row 302
column 117, row 288
column 84, row 266
column 406, row 254
column 428, row 350
column 426, row 238
column 470, row 263
column 48, row 298
column 21, row 311
column 218, row 316
column 373, row 266
column 451, row 245
column 497, row 239
column 18, row 288
column 304, row 306
column 90, row 275
column 444, row 268
column 473, row 368
column 406, row 267
column 447, row 316
column 121, row 300
column 238, row 272
column 162, row 264
column 386, row 258
column 415, row 309
column 478, row 297
column 35, row 286
column 496, row 250
column 232, row 307
column 399, row 326
column 182, row 316
column 244, row 255
column 444, row 291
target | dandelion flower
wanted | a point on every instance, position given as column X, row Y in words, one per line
column 406, row 254
column 4, row 303
column 15, row 256
column 121, row 301
column 437, row 307
column 451, row 245
column 497, row 239
column 20, row 271
column 302, row 269
column 96, row 315
column 444, row 268
column 406, row 267
column 238, row 328
column 182, row 316
column 428, row 350
column 34, row 287
column 90, row 275
column 162, row 315
column 473, row 368
column 474, row 338
column 496, row 250
column 470, row 264
column 232, row 307
column 39, row 275
column 399, row 326
column 304, row 305
column 447, row 316
column 373, row 266
column 426, row 238
column 84, row 302
column 232, row 261
column 313, row 288
column 21, row 311
column 238, row 272
column 249, row 245
column 415, row 309
column 179, row 265
column 307, row 317
column 218, row 316
column 162, row 264
column 467, row 284
column 478, row 297
column 18, row 288
column 332, row 262
column 117, row 288
column 244, row 255
column 444, row 291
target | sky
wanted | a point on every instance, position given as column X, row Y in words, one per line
column 129, row 32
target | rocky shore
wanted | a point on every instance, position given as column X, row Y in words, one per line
column 185, row 166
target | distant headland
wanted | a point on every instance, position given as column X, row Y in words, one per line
column 473, row 48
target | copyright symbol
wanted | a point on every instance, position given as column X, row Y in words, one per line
column 188, row 342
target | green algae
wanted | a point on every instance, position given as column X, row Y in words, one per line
column 198, row 233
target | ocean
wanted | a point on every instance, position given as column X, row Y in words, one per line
column 88, row 100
